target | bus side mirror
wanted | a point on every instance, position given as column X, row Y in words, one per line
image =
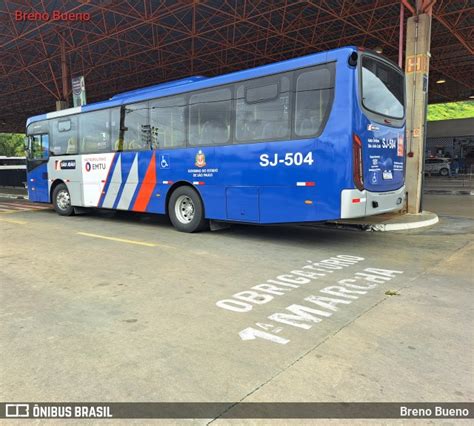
column 353, row 59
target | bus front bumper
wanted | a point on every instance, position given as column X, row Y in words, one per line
column 355, row 203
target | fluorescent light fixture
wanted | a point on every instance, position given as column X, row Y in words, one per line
column 441, row 81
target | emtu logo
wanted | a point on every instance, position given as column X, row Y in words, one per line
column 17, row 410
column 95, row 166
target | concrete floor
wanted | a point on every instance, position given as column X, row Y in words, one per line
column 121, row 307
column 452, row 205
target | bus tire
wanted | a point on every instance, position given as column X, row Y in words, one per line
column 186, row 210
column 444, row 171
column 62, row 200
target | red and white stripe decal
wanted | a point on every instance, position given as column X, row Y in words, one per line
column 198, row 183
column 146, row 189
column 358, row 200
column 305, row 183
column 167, row 182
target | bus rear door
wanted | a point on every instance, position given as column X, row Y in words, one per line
column 380, row 133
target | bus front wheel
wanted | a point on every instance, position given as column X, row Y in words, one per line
column 62, row 200
column 186, row 210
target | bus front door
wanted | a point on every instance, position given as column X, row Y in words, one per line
column 37, row 166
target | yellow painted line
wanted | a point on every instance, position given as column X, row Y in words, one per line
column 120, row 240
column 17, row 222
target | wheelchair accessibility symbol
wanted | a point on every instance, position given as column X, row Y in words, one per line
column 164, row 162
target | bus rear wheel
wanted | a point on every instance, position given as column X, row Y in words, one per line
column 62, row 200
column 186, row 210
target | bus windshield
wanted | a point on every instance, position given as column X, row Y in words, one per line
column 382, row 88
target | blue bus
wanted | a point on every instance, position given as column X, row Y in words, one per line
column 310, row 139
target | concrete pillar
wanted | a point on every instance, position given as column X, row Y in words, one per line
column 64, row 72
column 61, row 105
column 416, row 71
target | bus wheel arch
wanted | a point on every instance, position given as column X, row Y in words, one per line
column 185, row 208
column 61, row 198
column 53, row 187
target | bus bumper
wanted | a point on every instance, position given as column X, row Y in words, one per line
column 355, row 203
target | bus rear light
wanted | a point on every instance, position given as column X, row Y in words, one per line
column 357, row 167
column 305, row 183
column 358, row 200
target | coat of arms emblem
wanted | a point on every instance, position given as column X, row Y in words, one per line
column 200, row 159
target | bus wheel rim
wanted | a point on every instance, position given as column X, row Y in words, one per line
column 63, row 199
column 184, row 209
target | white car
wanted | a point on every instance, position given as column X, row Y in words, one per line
column 437, row 166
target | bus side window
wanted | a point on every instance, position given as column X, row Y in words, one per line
column 313, row 94
column 64, row 135
column 115, row 129
column 39, row 147
column 36, row 149
column 167, row 119
column 137, row 134
column 263, row 109
column 45, row 146
column 94, row 132
column 209, row 117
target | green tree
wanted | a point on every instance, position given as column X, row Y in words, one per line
column 451, row 110
column 12, row 144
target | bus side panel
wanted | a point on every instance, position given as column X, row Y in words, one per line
column 243, row 203
column 120, row 180
column 279, row 204
column 264, row 180
column 156, row 203
column 146, row 181
column 214, row 198
column 67, row 168
column 38, row 184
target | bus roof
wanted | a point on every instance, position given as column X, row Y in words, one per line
column 196, row 83
column 159, row 86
